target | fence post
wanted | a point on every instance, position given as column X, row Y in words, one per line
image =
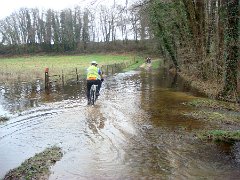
column 102, row 69
column 46, row 78
column 62, row 78
column 77, row 76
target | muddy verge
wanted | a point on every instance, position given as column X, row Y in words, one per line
column 37, row 167
column 209, row 88
column 224, row 118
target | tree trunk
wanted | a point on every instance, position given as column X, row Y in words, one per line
column 232, row 39
column 196, row 18
column 169, row 48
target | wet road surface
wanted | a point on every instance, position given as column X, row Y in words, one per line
column 137, row 130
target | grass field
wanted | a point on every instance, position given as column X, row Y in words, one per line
column 33, row 67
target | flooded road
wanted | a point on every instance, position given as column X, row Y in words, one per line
column 137, row 130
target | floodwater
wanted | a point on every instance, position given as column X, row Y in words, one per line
column 136, row 130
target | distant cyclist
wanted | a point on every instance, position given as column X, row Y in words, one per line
column 148, row 60
column 94, row 76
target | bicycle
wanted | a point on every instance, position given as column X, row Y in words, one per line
column 93, row 96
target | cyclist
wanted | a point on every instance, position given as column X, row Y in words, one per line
column 94, row 76
column 100, row 77
column 148, row 60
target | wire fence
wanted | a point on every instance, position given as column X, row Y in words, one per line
column 76, row 75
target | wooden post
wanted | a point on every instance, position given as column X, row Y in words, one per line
column 77, row 75
column 102, row 69
column 46, row 78
column 62, row 78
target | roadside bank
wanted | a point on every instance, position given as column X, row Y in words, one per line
column 225, row 116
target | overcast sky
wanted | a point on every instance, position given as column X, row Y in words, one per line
column 9, row 6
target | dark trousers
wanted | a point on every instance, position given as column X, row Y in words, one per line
column 90, row 83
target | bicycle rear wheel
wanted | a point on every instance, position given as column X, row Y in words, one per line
column 92, row 95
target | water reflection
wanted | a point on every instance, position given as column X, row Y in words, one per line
column 20, row 96
column 163, row 101
column 95, row 118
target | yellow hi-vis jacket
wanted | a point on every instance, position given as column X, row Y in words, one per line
column 92, row 73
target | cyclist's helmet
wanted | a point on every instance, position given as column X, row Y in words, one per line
column 94, row 62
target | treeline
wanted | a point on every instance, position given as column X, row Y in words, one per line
column 72, row 30
column 200, row 37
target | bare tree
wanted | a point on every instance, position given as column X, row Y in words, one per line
column 48, row 35
column 122, row 21
column 85, row 30
column 77, row 24
column 56, row 31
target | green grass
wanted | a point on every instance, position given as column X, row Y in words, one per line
column 219, row 117
column 220, row 135
column 38, row 166
column 214, row 110
column 31, row 67
column 221, row 113
column 214, row 104
column 156, row 64
column 135, row 66
column 142, row 64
